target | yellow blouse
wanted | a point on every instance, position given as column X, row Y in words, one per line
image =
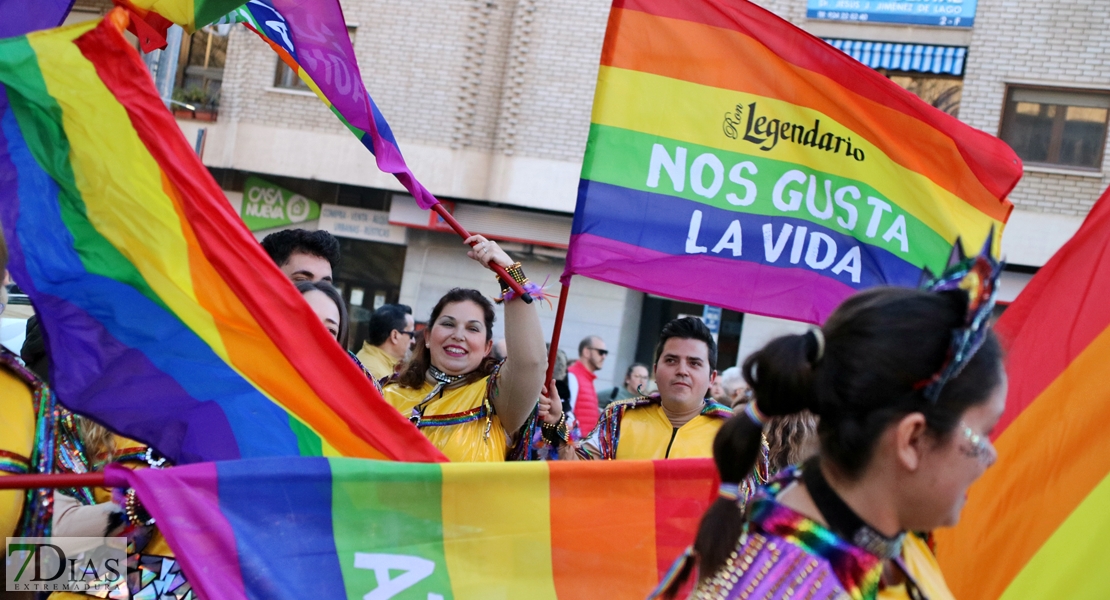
column 923, row 566
column 460, row 422
column 647, row 434
column 17, row 421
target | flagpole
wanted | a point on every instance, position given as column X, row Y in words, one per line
column 54, row 480
column 554, row 350
column 459, row 229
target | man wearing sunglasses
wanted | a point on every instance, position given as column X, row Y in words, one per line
column 391, row 336
column 581, row 376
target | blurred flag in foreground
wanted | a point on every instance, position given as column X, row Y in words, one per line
column 164, row 318
column 19, row 17
column 1034, row 523
column 355, row 529
column 737, row 161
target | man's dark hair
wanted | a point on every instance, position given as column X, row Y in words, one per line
column 587, row 342
column 386, row 319
column 688, row 328
column 280, row 245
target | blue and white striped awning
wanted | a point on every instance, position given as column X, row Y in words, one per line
column 921, row 58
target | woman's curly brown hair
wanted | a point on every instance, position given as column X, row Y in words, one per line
column 791, row 440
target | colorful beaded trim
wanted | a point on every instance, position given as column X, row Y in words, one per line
column 474, row 414
column 38, row 504
column 857, row 570
column 13, row 463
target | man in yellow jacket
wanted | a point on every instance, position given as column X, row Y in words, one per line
column 680, row 421
column 392, row 331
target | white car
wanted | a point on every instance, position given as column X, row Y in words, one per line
column 13, row 321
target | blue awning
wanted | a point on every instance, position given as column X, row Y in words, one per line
column 921, row 58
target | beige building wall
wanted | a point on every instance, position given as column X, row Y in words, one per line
column 488, row 100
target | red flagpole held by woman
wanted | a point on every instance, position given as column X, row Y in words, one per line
column 55, row 480
column 459, row 229
column 554, row 350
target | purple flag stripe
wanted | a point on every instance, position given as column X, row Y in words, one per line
column 20, row 17
column 185, row 501
column 787, row 293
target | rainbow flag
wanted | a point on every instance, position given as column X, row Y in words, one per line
column 727, row 145
column 358, row 529
column 189, row 14
column 1034, row 523
column 311, row 37
column 18, row 17
column 164, row 318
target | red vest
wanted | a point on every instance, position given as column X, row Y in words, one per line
column 585, row 405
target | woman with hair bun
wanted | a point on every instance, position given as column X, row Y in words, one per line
column 907, row 385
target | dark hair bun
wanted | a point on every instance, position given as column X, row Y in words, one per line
column 781, row 375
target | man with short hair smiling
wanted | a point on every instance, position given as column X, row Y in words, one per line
column 391, row 336
column 580, row 377
column 303, row 255
column 678, row 422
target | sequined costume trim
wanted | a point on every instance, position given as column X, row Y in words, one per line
column 783, row 554
column 38, row 508
column 474, row 414
column 14, row 463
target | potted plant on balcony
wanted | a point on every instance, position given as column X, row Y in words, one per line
column 195, row 103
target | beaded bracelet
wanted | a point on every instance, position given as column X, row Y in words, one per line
column 132, row 508
column 516, row 272
column 556, row 433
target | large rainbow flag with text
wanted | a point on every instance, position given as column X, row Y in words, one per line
column 343, row 528
column 737, row 161
column 164, row 318
column 1035, row 525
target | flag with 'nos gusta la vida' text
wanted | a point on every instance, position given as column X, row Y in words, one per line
column 737, row 161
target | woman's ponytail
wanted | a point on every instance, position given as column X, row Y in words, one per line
column 781, row 378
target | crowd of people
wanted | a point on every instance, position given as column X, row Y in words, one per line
column 836, row 448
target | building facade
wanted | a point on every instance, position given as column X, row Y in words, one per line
column 490, row 101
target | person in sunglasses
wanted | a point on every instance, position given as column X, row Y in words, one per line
column 392, row 331
column 678, row 422
column 580, row 377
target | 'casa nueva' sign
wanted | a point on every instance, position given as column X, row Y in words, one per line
column 266, row 205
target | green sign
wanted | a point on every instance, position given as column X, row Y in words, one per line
column 266, row 205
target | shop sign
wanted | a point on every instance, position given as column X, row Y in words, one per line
column 940, row 13
column 711, row 316
column 266, row 205
column 360, row 224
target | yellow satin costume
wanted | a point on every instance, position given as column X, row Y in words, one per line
column 17, row 422
column 639, row 429
column 922, row 565
column 460, row 421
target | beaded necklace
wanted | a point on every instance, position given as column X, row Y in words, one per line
column 442, row 381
